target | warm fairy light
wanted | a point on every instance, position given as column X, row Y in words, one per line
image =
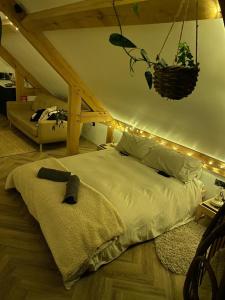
column 215, row 170
column 214, row 165
column 17, row 29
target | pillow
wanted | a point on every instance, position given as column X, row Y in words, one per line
column 134, row 145
column 180, row 166
column 44, row 115
column 35, row 117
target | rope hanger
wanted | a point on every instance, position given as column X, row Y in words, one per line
column 183, row 7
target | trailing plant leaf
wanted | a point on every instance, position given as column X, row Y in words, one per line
column 60, row 116
column 136, row 9
column 132, row 62
column 144, row 54
column 161, row 62
column 184, row 56
column 148, row 77
column 119, row 40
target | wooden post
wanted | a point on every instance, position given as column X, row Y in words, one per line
column 73, row 124
column 222, row 6
column 109, row 137
column 19, row 86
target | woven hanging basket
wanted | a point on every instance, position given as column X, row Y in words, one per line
column 175, row 82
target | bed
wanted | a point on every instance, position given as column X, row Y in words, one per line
column 134, row 204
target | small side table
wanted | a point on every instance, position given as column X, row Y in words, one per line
column 206, row 209
column 105, row 146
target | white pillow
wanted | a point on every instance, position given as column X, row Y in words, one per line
column 135, row 145
column 180, row 166
column 44, row 115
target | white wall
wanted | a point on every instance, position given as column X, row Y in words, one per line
column 197, row 121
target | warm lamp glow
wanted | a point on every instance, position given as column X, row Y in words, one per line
column 208, row 162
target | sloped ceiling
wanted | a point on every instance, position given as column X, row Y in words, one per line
column 22, row 50
column 33, row 6
column 197, row 121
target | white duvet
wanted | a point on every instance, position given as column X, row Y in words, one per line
column 145, row 200
column 147, row 203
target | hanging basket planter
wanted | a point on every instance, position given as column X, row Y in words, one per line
column 175, row 82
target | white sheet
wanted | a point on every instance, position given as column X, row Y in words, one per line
column 145, row 200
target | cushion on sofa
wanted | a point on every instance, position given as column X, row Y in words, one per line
column 45, row 101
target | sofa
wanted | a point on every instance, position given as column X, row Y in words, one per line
column 19, row 115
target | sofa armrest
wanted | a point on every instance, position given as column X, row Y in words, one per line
column 49, row 132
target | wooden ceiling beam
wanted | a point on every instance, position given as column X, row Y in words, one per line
column 13, row 62
column 97, row 13
column 51, row 55
column 222, row 6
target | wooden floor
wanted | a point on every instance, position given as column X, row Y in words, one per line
column 27, row 269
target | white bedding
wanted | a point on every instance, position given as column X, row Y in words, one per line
column 147, row 203
column 144, row 199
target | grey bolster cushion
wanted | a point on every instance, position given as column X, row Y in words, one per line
column 72, row 185
column 72, row 188
column 54, row 175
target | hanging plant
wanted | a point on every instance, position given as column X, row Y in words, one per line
column 60, row 116
column 173, row 82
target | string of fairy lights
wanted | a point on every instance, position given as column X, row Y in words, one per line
column 6, row 21
column 210, row 163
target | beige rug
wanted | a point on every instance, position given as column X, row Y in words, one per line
column 176, row 248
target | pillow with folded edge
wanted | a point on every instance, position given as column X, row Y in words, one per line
column 44, row 115
column 178, row 165
column 135, row 146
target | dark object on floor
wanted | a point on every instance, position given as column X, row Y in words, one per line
column 72, row 188
column 124, row 153
column 220, row 183
column 163, row 174
column 212, row 240
column 54, row 175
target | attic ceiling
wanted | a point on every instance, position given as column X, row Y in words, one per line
column 196, row 122
column 95, row 13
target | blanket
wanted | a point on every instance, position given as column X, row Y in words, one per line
column 73, row 232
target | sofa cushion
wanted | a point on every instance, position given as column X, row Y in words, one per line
column 21, row 119
column 45, row 101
